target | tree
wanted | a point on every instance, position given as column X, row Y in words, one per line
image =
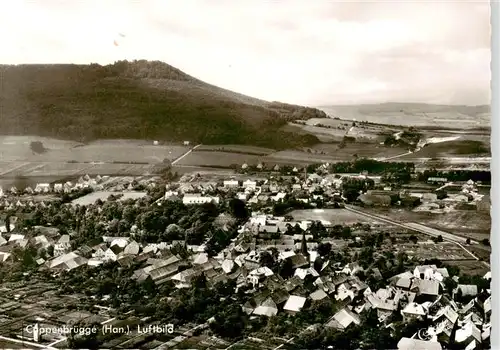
column 438, row 239
column 229, row 323
column 266, row 259
column 286, row 268
column 50, row 250
column 318, row 264
column 7, row 223
column 37, row 147
column 324, row 249
column 467, row 241
column 449, row 285
column 486, row 242
column 238, row 208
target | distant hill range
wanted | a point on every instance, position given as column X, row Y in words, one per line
column 415, row 114
column 139, row 99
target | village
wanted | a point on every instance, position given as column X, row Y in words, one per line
column 288, row 251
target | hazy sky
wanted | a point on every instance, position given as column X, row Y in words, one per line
column 307, row 52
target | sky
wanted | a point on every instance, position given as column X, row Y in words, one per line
column 303, row 52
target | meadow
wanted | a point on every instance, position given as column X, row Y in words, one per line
column 17, row 148
column 218, row 159
column 334, row 216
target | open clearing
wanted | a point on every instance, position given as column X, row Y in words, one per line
column 236, row 149
column 218, row 159
column 471, row 268
column 455, row 148
column 416, row 115
column 103, row 195
column 430, row 250
column 334, row 216
column 362, row 150
column 466, row 223
column 61, row 169
column 17, row 148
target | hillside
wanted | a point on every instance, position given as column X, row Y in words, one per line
column 415, row 114
column 140, row 99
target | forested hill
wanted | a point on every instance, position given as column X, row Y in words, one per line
column 140, row 99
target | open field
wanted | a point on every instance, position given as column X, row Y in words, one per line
column 193, row 169
column 415, row 114
column 218, row 159
column 103, row 195
column 17, row 148
column 62, row 170
column 363, row 150
column 470, row 268
column 300, row 156
column 465, row 223
column 455, row 148
column 431, row 250
column 333, row 130
column 236, row 149
column 334, row 216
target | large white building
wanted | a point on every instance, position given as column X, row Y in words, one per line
column 196, row 198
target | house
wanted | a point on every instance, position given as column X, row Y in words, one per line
column 267, row 308
column 186, row 143
column 42, row 188
column 404, row 283
column 62, row 246
column 132, row 248
column 344, row 293
column 437, row 180
column 15, row 237
column 417, row 344
column 468, row 334
column 465, row 290
column 317, row 295
column 99, row 251
column 427, row 290
column 171, row 195
column 66, row 262
column 352, row 269
column 445, row 320
column 196, row 198
column 111, row 254
column 294, row 304
column 5, row 254
column 250, row 184
column 231, row 184
column 343, row 319
column 420, row 271
column 385, row 308
column 413, row 311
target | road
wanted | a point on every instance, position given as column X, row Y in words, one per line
column 185, row 154
column 460, row 241
column 394, row 157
